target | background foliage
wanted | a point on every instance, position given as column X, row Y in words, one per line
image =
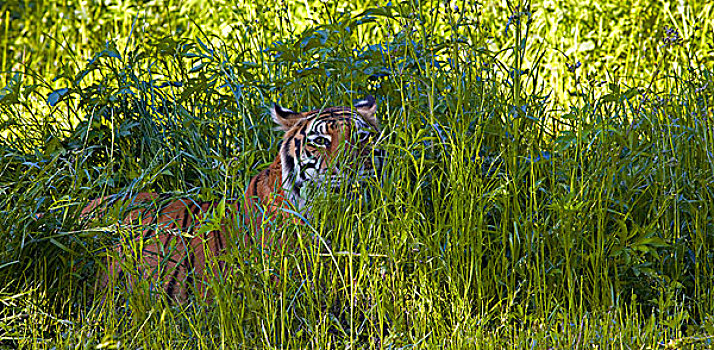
column 549, row 181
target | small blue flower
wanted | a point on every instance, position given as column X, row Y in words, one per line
column 573, row 67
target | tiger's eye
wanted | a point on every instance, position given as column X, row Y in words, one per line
column 363, row 135
column 321, row 141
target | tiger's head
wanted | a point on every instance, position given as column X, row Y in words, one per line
column 327, row 147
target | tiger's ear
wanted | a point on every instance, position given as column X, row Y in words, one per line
column 284, row 117
column 366, row 108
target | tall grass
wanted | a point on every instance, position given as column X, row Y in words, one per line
column 528, row 200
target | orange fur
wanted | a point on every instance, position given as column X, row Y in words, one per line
column 172, row 252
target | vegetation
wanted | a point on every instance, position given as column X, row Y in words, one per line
column 549, row 181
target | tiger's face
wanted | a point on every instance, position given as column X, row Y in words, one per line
column 327, row 147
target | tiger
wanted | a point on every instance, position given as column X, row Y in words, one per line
column 179, row 238
column 314, row 145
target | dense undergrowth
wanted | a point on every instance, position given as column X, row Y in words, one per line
column 528, row 200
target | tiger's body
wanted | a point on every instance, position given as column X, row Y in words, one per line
column 181, row 248
column 173, row 246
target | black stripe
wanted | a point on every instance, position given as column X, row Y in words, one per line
column 290, row 162
column 177, row 263
column 338, row 116
column 172, row 281
column 189, row 276
column 219, row 233
column 184, row 220
column 195, row 210
column 148, row 235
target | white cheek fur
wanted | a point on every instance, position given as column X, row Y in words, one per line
column 311, row 173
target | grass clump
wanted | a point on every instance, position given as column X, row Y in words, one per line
column 532, row 197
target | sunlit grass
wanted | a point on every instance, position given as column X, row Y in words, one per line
column 525, row 202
